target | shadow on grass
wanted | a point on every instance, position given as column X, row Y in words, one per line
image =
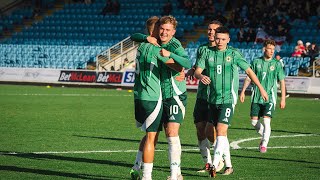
column 75, row 175
column 65, row 158
column 128, row 140
column 263, row 158
column 53, row 173
column 273, row 130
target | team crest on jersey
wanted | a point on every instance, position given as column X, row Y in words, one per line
column 259, row 66
column 271, row 68
column 210, row 59
column 228, row 58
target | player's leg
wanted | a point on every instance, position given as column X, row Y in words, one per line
column 211, row 135
column 138, row 160
column 138, row 108
column 149, row 113
column 174, row 109
column 200, row 115
column 224, row 114
column 268, row 110
column 254, row 113
column 148, row 154
column 227, row 157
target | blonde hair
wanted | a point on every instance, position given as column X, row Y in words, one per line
column 169, row 20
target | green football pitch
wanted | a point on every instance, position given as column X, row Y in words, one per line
column 89, row 133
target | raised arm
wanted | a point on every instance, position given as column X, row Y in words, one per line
column 139, row 37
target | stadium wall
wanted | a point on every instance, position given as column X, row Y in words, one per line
column 298, row 85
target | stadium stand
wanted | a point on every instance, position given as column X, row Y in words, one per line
column 81, row 31
column 71, row 35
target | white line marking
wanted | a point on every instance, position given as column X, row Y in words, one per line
column 235, row 144
column 88, row 152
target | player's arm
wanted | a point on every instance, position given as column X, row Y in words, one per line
column 246, row 83
column 169, row 61
column 200, row 66
column 181, row 57
column 256, row 81
column 203, row 78
column 139, row 37
column 283, row 94
column 174, row 66
column 191, row 71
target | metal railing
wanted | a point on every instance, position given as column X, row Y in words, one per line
column 316, row 70
column 113, row 58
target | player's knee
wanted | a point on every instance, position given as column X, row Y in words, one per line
column 254, row 122
column 222, row 129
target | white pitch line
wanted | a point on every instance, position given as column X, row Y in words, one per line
column 88, row 152
column 235, row 144
column 158, row 150
column 285, row 147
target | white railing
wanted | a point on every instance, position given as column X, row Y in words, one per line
column 113, row 58
column 315, row 71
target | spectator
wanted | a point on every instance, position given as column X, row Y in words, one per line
column 250, row 35
column 196, row 8
column 87, row 1
column 167, row 8
column 188, row 6
column 126, row 62
column 241, row 35
column 297, row 52
column 107, row 8
column 116, row 7
column 301, row 47
column 209, row 10
column 219, row 17
column 313, row 52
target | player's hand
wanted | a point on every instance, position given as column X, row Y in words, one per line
column 205, row 80
column 181, row 76
column 264, row 95
column 164, row 53
column 242, row 97
column 282, row 103
column 153, row 40
column 190, row 73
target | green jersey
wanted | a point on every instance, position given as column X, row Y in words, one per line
column 169, row 85
column 269, row 72
column 147, row 75
column 222, row 68
column 202, row 92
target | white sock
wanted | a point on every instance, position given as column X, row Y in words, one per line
column 204, row 147
column 266, row 132
column 174, row 156
column 147, row 170
column 227, row 156
column 258, row 126
column 138, row 161
column 219, row 149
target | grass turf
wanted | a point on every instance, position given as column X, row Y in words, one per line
column 91, row 134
